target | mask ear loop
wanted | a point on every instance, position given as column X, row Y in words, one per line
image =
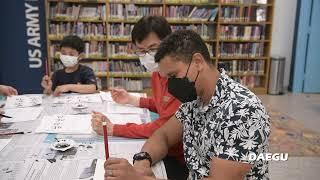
column 188, row 69
column 197, row 76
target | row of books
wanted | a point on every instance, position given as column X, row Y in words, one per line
column 121, row 67
column 191, row 1
column 120, row 30
column 98, row 66
column 116, row 30
column 128, row 84
column 120, row 49
column 132, row 11
column 206, row 31
column 249, row 81
column 93, row 49
column 190, row 13
column 244, row 1
column 80, row 29
column 242, row 32
column 241, row 50
column 67, row 11
column 243, row 67
column 247, row 14
column 161, row 1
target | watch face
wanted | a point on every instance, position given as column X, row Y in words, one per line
column 142, row 156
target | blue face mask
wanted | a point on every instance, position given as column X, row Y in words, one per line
column 182, row 88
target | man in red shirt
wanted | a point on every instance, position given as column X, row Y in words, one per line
column 146, row 36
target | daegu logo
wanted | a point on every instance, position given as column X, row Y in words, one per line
column 269, row 157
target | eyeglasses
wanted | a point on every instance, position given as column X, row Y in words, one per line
column 142, row 53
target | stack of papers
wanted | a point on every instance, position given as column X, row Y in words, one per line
column 22, row 114
column 106, row 96
column 21, row 101
column 127, row 150
column 114, row 108
column 124, row 118
column 79, row 98
column 66, row 124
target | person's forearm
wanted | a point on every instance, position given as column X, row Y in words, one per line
column 82, row 88
column 157, row 146
column 134, row 100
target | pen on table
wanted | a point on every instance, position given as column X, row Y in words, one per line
column 2, row 115
column 13, row 133
column 105, row 137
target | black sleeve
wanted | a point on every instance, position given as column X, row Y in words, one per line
column 88, row 76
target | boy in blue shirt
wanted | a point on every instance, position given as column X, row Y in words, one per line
column 74, row 77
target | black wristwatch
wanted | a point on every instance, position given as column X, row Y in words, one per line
column 142, row 156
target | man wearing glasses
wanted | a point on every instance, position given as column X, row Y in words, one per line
column 146, row 36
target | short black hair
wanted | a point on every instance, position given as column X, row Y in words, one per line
column 73, row 42
column 182, row 44
column 148, row 24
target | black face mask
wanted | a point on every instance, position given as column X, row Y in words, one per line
column 182, row 88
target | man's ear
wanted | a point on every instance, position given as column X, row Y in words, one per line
column 199, row 61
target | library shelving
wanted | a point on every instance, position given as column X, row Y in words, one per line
column 237, row 34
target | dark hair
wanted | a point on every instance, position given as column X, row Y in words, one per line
column 73, row 42
column 182, row 44
column 149, row 24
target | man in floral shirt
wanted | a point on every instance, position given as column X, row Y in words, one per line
column 220, row 121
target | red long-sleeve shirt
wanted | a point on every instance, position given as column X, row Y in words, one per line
column 162, row 103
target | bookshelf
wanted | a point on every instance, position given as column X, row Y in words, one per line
column 237, row 33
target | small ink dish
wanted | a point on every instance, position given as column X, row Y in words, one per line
column 62, row 144
column 79, row 106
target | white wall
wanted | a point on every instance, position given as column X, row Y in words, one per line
column 283, row 32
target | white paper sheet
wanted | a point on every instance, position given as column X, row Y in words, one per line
column 106, row 96
column 77, row 98
column 43, row 169
column 20, row 101
column 126, row 150
column 4, row 143
column 66, row 124
column 124, row 118
column 114, row 108
column 22, row 114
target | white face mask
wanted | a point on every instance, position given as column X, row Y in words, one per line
column 68, row 61
column 149, row 62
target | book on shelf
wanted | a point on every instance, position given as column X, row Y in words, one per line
column 232, row 32
column 211, row 50
column 190, row 13
column 244, row 50
column 69, row 11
